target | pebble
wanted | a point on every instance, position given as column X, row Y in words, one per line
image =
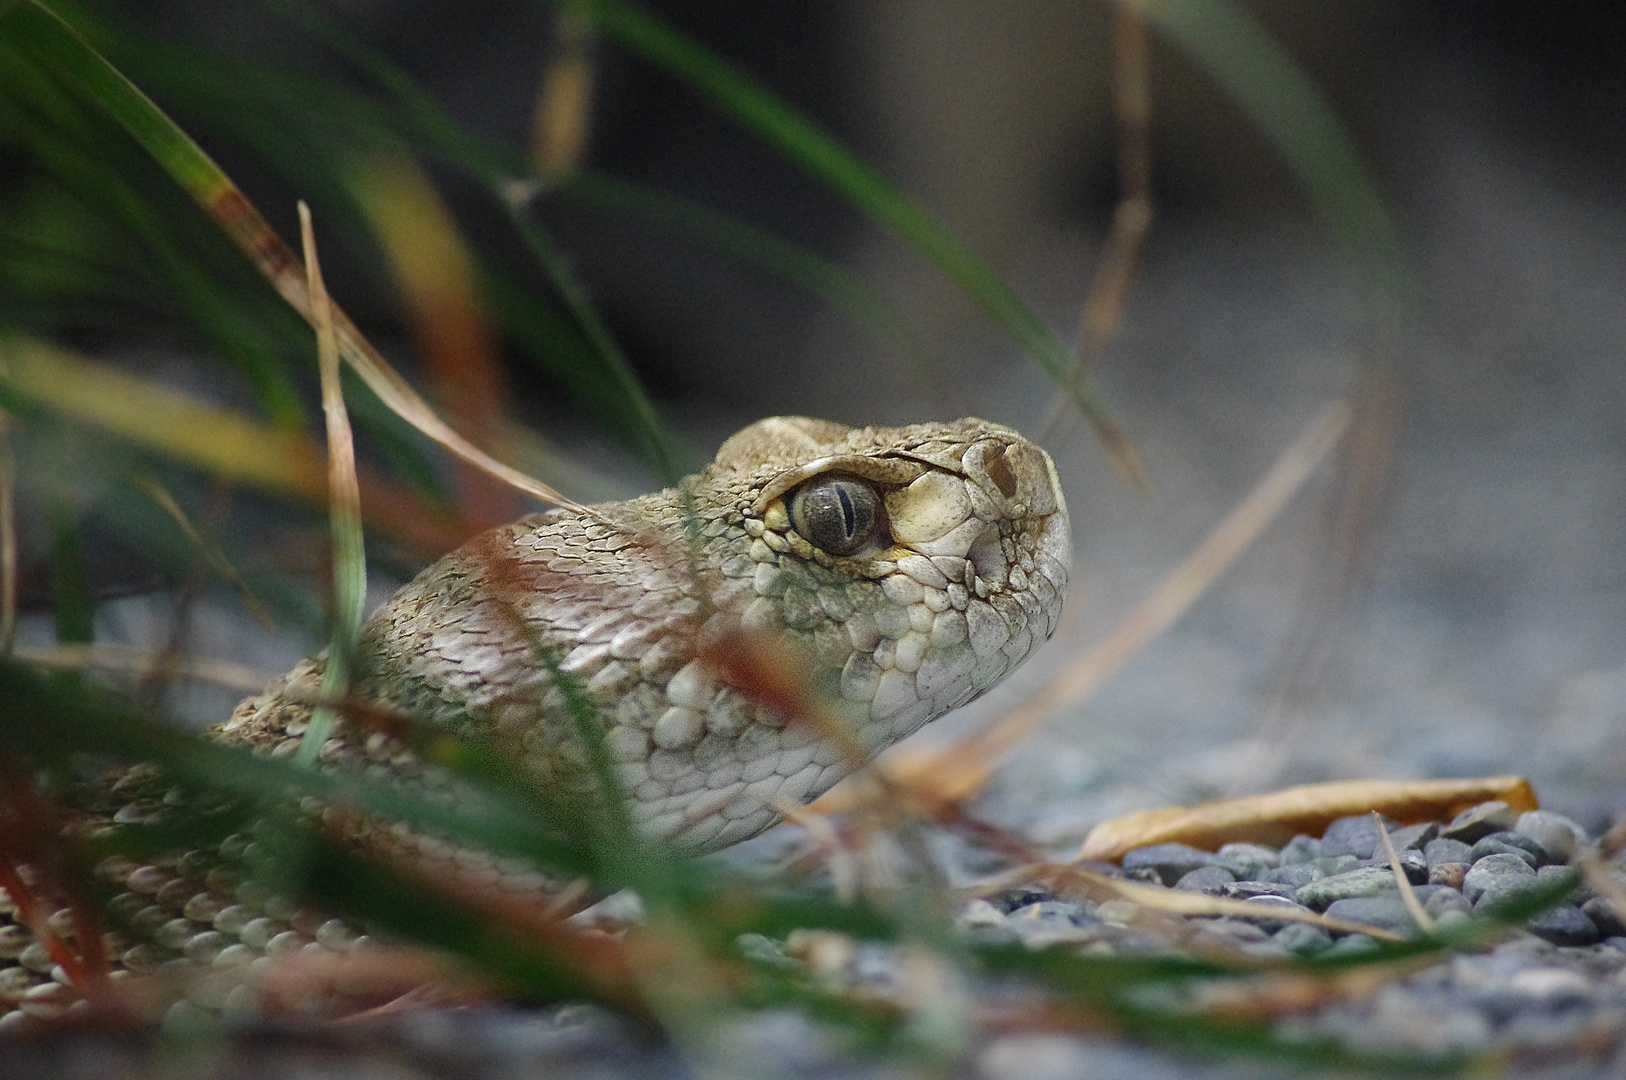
column 1479, row 821
column 1509, row 843
column 1356, row 835
column 1498, row 879
column 1171, row 861
column 1558, row 836
column 1365, row 881
column 1446, row 850
column 1384, row 912
column 1205, row 878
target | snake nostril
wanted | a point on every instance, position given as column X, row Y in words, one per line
column 999, row 471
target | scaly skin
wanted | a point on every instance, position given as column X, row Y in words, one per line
column 637, row 601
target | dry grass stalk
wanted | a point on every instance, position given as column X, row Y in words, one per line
column 205, row 436
column 563, row 121
column 1108, row 296
column 121, row 658
column 1414, row 907
column 208, row 549
column 439, row 281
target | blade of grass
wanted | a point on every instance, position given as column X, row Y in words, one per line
column 1291, row 112
column 804, row 143
column 437, row 277
column 138, row 661
column 564, row 106
column 344, row 509
column 8, row 531
column 210, row 551
column 39, row 29
column 205, row 436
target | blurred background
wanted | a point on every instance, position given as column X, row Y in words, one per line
column 1448, row 599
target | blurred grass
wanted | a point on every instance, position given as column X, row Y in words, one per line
column 98, row 243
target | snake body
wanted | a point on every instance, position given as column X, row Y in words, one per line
column 888, row 574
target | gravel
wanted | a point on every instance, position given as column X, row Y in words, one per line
column 1557, row 984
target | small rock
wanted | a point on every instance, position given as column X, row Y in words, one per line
column 1479, row 821
column 1557, row 834
column 1146, row 875
column 1383, row 912
column 1443, row 901
column 1498, row 879
column 1270, row 906
column 1334, row 864
column 1300, row 849
column 1356, row 835
column 1444, row 850
column 1564, row 924
column 1508, row 843
column 1247, row 890
column 1414, row 837
column 1302, row 939
column 1171, row 861
column 1233, row 931
column 1294, row 875
column 1550, row 986
column 1605, row 918
column 1449, row 874
column 1231, row 855
column 1353, row 945
column 1017, row 897
column 1205, row 878
column 1367, row 881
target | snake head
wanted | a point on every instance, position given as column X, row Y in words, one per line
column 909, row 568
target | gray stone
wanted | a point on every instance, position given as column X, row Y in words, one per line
column 1356, row 835
column 1334, row 864
column 1552, row 877
column 1353, row 945
column 1414, row 837
column 1269, row 908
column 1248, row 855
column 1442, row 900
column 1235, row 931
column 1247, row 890
column 1303, row 939
column 1508, row 843
column 1366, row 881
column 1558, row 835
column 1205, row 878
column 1171, row 861
column 1497, row 880
column 1300, row 849
column 1294, row 875
column 1605, row 918
column 1384, row 912
column 1445, row 850
column 1564, row 924
column 1479, row 821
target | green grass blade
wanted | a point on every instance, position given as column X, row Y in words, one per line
column 809, row 146
column 1292, row 113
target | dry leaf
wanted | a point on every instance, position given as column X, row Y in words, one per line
column 1277, row 817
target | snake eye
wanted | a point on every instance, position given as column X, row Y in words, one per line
column 839, row 514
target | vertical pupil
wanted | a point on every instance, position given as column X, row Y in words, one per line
column 849, row 513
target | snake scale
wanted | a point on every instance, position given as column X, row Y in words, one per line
column 902, row 572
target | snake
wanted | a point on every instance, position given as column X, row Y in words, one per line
column 889, row 574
